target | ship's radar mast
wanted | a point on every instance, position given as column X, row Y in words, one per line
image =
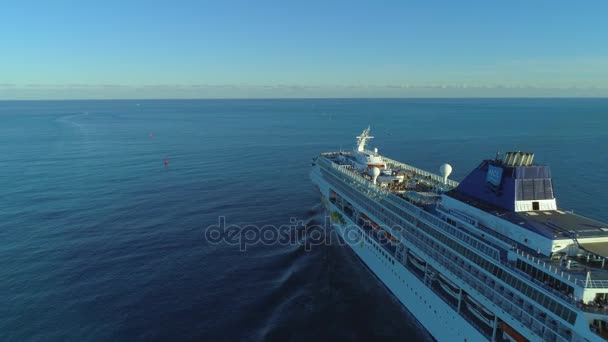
column 362, row 139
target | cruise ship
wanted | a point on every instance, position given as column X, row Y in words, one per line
column 491, row 258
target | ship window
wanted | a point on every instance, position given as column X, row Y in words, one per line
column 531, row 292
column 540, row 298
column 535, row 206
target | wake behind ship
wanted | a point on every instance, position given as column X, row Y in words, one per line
column 491, row 258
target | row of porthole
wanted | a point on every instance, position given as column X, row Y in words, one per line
column 383, row 211
column 379, row 252
column 378, row 249
column 383, row 253
column 420, row 297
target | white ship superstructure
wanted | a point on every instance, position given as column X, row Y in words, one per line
column 490, row 258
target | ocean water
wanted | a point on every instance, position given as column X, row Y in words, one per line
column 99, row 240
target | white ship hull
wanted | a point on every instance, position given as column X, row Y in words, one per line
column 435, row 315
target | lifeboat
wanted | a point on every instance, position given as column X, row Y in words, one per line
column 480, row 311
column 417, row 261
column 510, row 334
column 389, row 237
column 366, row 218
column 448, row 286
column 333, row 196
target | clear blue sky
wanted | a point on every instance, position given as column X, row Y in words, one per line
column 56, row 49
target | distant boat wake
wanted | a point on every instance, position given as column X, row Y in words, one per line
column 71, row 120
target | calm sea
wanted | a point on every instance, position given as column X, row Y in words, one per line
column 100, row 240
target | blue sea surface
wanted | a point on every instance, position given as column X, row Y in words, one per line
column 99, row 240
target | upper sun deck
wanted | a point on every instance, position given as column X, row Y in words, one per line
column 415, row 185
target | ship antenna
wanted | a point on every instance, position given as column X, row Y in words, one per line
column 362, row 139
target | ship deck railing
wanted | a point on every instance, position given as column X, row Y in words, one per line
column 593, row 284
column 547, row 288
column 437, row 178
column 578, row 303
column 577, row 275
column 434, row 180
column 548, row 266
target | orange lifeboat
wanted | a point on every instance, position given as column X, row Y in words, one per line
column 366, row 218
column 363, row 216
column 511, row 334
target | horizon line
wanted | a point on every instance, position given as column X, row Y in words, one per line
column 311, row 98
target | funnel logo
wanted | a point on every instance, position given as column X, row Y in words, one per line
column 494, row 176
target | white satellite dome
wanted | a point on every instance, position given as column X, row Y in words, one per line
column 375, row 173
column 446, row 170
